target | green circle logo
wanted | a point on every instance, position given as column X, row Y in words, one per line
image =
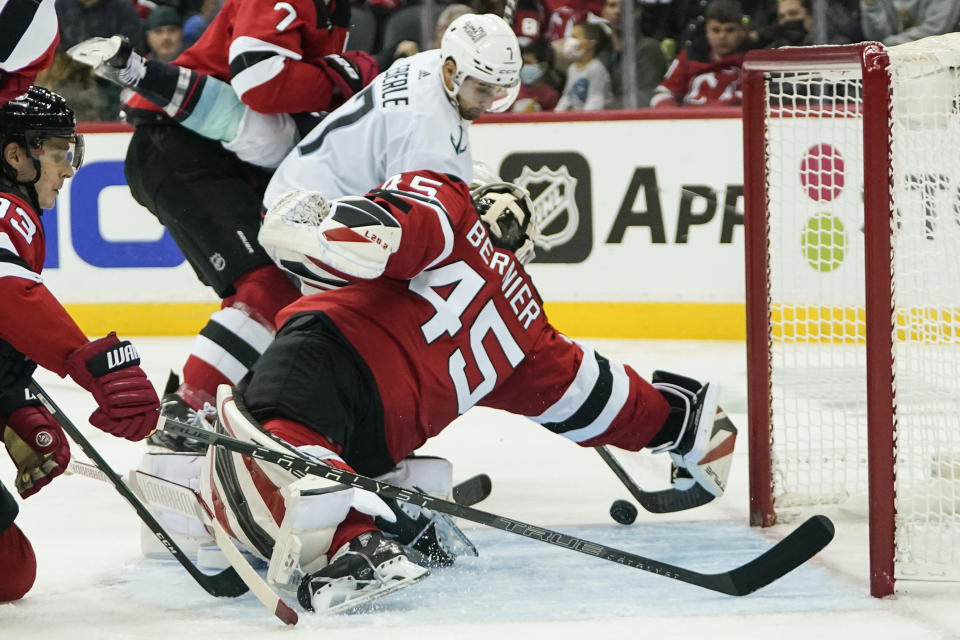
column 824, row 242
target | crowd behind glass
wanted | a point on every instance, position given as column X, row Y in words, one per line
column 684, row 52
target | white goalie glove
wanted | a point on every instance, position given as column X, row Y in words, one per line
column 303, row 234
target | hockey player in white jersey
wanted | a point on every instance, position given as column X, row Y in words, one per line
column 413, row 116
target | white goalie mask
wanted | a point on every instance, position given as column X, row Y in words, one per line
column 507, row 212
column 484, row 48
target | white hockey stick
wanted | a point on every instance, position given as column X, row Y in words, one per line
column 184, row 501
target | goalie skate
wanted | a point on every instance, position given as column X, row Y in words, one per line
column 365, row 569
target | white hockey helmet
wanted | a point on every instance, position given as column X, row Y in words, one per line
column 507, row 211
column 485, row 48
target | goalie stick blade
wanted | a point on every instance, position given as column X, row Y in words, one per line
column 225, row 584
column 800, row 545
column 783, row 557
column 665, row 501
column 473, row 490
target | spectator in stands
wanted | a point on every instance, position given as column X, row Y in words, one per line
column 80, row 20
column 649, row 60
column 536, row 93
column 897, row 21
column 794, row 26
column 715, row 79
column 164, row 28
column 588, row 81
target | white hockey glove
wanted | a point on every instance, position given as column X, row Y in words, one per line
column 302, row 232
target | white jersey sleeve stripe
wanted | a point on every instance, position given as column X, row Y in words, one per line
column 239, row 323
column 254, row 62
column 11, row 270
column 447, row 231
column 618, row 396
column 34, row 40
column 217, row 357
column 578, row 391
column 6, row 244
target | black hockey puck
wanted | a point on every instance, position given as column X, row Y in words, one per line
column 623, row 512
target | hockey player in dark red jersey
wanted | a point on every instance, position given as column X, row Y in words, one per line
column 28, row 41
column 284, row 58
column 40, row 150
column 441, row 316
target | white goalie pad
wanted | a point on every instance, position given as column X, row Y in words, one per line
column 272, row 513
column 183, row 469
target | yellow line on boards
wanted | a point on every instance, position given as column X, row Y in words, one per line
column 628, row 320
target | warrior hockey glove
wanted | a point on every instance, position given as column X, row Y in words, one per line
column 34, row 441
column 109, row 369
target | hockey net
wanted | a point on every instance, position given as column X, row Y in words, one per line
column 852, row 177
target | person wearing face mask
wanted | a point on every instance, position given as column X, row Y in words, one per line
column 536, row 93
column 588, row 82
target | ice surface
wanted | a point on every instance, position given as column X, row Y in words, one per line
column 94, row 583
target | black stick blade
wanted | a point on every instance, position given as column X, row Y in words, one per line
column 473, row 490
column 803, row 543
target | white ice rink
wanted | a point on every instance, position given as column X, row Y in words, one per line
column 94, row 583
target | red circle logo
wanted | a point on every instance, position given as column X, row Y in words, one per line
column 821, row 172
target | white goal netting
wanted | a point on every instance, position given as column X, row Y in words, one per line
column 815, row 218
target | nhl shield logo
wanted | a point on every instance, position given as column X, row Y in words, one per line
column 554, row 205
column 559, row 185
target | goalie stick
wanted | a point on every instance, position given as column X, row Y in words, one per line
column 186, row 502
column 667, row 500
column 799, row 546
column 664, row 501
column 224, row 584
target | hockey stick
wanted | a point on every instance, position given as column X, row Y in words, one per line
column 788, row 554
column 664, row 501
column 224, row 584
column 667, row 500
column 186, row 502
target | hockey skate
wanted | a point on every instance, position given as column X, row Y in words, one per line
column 112, row 58
column 366, row 568
column 704, row 445
column 174, row 407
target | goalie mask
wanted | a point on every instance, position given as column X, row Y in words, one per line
column 507, row 212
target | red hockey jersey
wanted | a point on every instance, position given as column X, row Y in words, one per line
column 34, row 322
column 27, row 44
column 455, row 322
column 270, row 52
column 688, row 82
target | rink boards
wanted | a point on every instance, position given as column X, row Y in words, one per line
column 642, row 214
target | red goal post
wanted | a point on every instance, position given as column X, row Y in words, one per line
column 852, row 167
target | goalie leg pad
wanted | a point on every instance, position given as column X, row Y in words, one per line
column 257, row 502
column 190, row 534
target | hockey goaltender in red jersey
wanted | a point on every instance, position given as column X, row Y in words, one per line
column 441, row 316
column 40, row 150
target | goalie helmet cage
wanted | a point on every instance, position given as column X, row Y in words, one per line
column 852, row 226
